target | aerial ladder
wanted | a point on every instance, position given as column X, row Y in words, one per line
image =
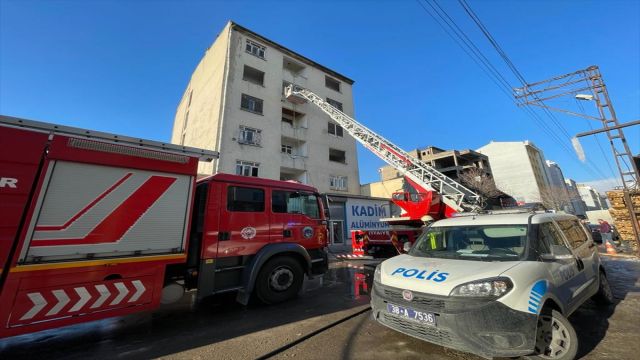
column 438, row 196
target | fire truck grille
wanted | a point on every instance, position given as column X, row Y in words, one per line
column 426, row 332
column 427, row 304
column 126, row 150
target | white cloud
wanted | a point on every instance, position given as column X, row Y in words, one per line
column 604, row 185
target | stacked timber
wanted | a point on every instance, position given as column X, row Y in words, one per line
column 620, row 213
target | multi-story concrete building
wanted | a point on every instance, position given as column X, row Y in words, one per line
column 234, row 104
column 449, row 162
column 558, row 188
column 592, row 198
column 579, row 207
column 519, row 170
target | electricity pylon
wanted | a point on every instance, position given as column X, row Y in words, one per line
column 588, row 85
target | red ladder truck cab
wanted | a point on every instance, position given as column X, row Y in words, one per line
column 96, row 225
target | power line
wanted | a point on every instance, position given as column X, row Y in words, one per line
column 522, row 80
column 508, row 61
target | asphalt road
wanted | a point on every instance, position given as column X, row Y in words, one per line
column 310, row 327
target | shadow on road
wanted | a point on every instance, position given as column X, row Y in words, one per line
column 188, row 325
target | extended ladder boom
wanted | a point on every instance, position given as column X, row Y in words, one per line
column 453, row 194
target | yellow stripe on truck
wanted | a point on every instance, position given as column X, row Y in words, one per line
column 106, row 262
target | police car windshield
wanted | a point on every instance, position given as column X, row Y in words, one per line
column 479, row 242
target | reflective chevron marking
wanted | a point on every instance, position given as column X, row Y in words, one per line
column 122, row 292
column 84, row 298
column 38, row 304
column 63, row 300
column 75, row 299
column 140, row 289
column 104, row 295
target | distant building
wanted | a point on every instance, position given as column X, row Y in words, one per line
column 234, row 104
column 604, row 202
column 558, row 187
column 592, row 199
column 579, row 207
column 519, row 169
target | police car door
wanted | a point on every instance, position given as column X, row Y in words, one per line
column 563, row 267
column 585, row 251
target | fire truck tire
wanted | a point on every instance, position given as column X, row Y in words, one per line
column 280, row 279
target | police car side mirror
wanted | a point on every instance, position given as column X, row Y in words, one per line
column 406, row 247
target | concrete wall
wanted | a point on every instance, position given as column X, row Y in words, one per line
column 594, row 215
column 382, row 189
column 516, row 170
column 205, row 89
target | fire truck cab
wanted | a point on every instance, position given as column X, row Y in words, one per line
column 250, row 234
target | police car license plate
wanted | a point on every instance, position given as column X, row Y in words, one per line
column 408, row 313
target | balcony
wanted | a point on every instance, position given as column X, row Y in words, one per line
column 293, row 161
column 293, row 132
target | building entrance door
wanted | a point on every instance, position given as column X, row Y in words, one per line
column 336, row 230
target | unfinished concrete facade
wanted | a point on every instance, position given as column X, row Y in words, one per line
column 519, row 170
column 451, row 163
column 234, row 104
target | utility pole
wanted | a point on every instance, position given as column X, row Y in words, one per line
column 576, row 84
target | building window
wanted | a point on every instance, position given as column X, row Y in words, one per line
column 335, row 130
column 253, row 75
column 255, row 49
column 332, row 83
column 247, row 168
column 250, row 103
column 337, row 156
column 338, row 182
column 242, row 199
column 291, row 66
column 286, row 149
column 249, row 136
column 335, row 104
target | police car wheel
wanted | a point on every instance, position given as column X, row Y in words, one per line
column 280, row 279
column 555, row 339
column 604, row 296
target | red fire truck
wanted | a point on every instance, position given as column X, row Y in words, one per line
column 95, row 225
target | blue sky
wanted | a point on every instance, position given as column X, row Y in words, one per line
column 121, row 66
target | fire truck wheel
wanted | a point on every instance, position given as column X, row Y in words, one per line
column 279, row 279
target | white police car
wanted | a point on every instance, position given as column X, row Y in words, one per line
column 493, row 284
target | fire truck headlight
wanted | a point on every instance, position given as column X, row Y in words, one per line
column 377, row 275
column 494, row 288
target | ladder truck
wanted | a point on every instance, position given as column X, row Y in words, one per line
column 436, row 195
